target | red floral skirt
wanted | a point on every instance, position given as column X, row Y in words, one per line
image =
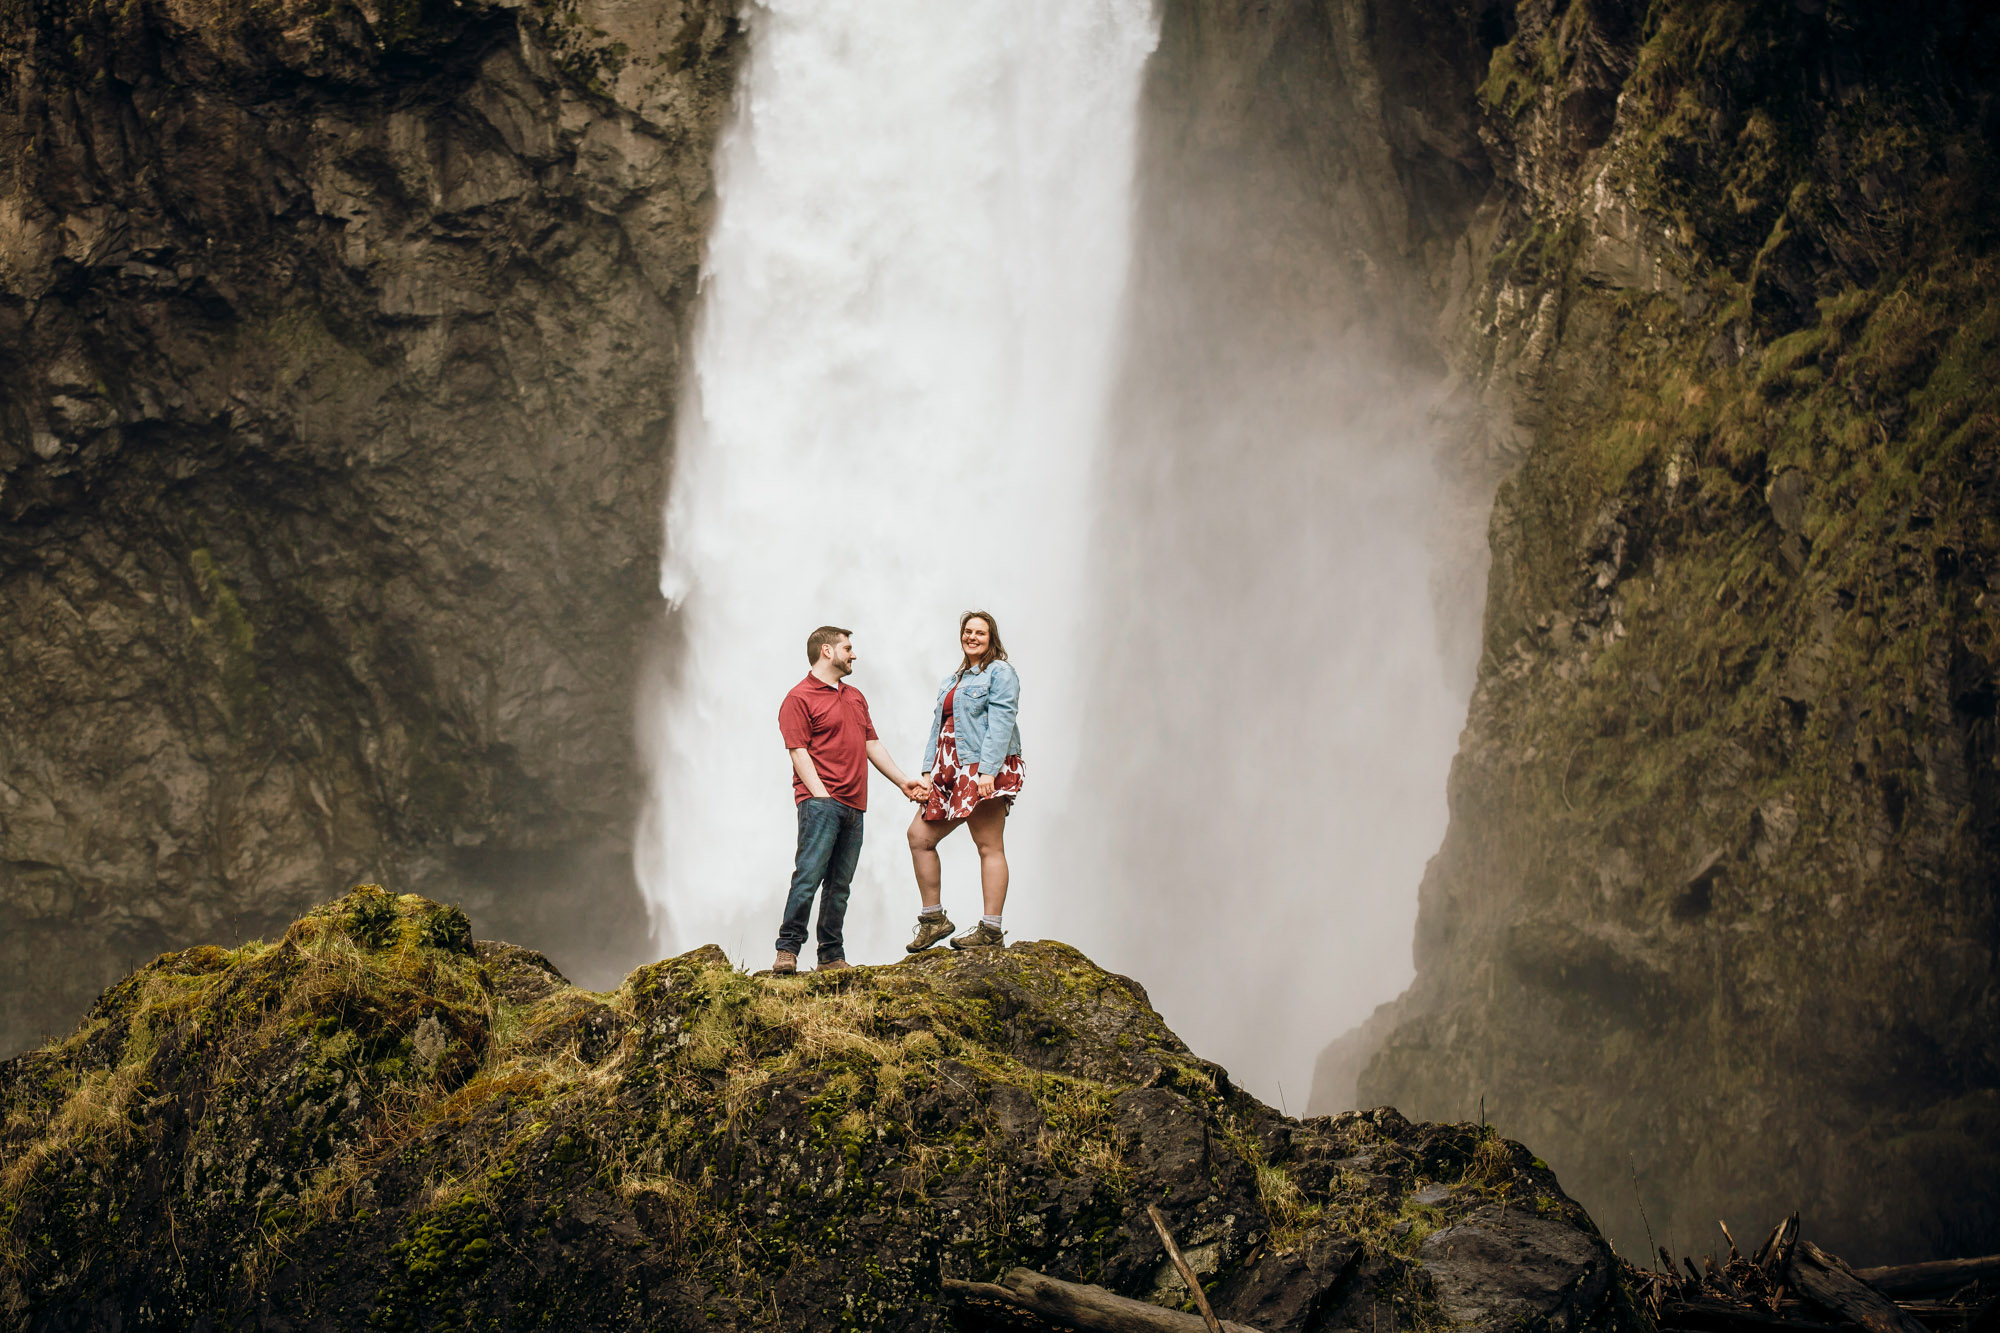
column 955, row 789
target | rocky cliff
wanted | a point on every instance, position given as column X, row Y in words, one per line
column 338, row 350
column 1715, row 922
column 339, row 346
column 378, row 1122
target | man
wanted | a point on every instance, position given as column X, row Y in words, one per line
column 826, row 727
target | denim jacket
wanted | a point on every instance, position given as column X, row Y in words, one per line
column 983, row 717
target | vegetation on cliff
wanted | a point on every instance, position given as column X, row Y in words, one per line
column 1714, row 925
column 338, row 347
column 376, row 1121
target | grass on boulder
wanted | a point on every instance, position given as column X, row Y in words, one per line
column 376, row 1121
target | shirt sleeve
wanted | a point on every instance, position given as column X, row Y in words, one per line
column 867, row 722
column 1003, row 705
column 795, row 723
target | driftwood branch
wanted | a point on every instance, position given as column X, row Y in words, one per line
column 1939, row 1275
column 1025, row 1299
column 1832, row 1285
column 1708, row 1315
column 1183, row 1268
column 1788, row 1285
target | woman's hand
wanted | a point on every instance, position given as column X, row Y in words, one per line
column 985, row 786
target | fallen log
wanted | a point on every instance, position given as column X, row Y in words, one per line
column 1703, row 1315
column 1030, row 1300
column 1943, row 1315
column 1938, row 1275
column 1833, row 1286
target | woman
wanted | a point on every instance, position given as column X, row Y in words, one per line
column 972, row 766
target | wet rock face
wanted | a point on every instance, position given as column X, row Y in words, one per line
column 337, row 358
column 1494, row 1269
column 1713, row 923
column 379, row 1122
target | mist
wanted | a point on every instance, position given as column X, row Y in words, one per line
column 1184, row 454
column 1276, row 719
column 1287, row 574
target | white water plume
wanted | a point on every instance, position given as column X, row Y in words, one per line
column 1280, row 779
column 909, row 307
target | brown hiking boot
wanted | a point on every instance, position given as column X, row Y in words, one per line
column 834, row 965
column 981, row 936
column 930, row 929
column 787, row 964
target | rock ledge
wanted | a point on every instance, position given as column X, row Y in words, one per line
column 378, row 1120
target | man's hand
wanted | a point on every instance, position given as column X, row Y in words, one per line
column 878, row 755
column 985, row 786
column 802, row 764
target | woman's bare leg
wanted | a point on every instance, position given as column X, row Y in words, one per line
column 925, row 835
column 989, row 834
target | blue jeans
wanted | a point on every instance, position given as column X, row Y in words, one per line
column 829, row 849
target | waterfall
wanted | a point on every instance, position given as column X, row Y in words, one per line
column 898, row 390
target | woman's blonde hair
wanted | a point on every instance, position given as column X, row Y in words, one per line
column 994, row 652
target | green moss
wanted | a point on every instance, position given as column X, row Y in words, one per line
column 1790, row 357
column 444, row 1252
column 375, row 917
column 228, row 639
column 1509, row 89
column 365, row 1105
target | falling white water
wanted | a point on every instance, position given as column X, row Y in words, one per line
column 909, row 305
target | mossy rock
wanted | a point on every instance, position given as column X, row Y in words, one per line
column 376, row 1123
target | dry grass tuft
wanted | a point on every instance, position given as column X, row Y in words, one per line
column 1080, row 1136
column 1290, row 1216
column 1492, row 1166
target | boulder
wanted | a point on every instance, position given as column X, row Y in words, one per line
column 379, row 1121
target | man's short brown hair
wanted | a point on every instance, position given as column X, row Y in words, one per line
column 820, row 638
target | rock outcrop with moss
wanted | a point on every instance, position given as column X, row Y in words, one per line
column 338, row 348
column 1715, row 923
column 379, row 1122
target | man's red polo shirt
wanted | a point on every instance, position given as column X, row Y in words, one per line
column 830, row 723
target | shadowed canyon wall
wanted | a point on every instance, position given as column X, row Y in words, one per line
column 1714, row 925
column 338, row 348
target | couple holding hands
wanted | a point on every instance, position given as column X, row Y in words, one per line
column 972, row 772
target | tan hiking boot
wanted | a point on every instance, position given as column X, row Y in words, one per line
column 981, row 936
column 787, row 964
column 930, row 929
column 834, row 965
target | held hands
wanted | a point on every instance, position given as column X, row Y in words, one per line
column 918, row 789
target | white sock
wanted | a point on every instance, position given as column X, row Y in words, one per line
column 992, row 921
column 935, row 909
